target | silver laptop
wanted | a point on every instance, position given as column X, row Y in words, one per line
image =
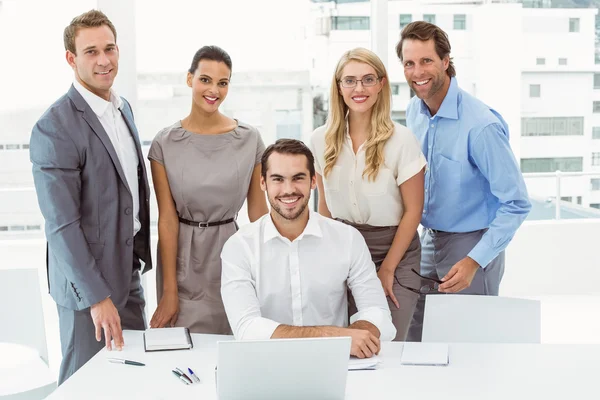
column 290, row 369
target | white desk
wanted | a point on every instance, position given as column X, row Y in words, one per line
column 476, row 371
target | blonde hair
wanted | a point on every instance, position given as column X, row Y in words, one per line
column 382, row 126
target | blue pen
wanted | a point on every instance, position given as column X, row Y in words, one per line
column 193, row 375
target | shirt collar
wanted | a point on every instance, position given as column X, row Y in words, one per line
column 449, row 107
column 97, row 103
column 312, row 228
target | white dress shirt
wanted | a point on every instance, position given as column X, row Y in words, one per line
column 268, row 280
column 356, row 199
column 109, row 114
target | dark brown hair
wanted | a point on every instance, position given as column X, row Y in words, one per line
column 90, row 19
column 288, row 146
column 424, row 31
column 213, row 53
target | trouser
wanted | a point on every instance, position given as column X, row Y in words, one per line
column 440, row 251
column 78, row 334
column 379, row 240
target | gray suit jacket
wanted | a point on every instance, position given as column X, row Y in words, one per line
column 87, row 205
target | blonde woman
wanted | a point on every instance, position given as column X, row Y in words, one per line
column 370, row 174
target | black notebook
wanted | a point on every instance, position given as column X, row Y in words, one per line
column 167, row 339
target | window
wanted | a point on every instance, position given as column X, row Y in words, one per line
column 596, row 132
column 405, row 19
column 535, row 90
column 460, row 22
column 567, row 198
column 429, row 18
column 595, row 183
column 595, row 205
column 33, row 227
column 562, row 61
column 552, row 126
column 564, row 164
column 579, row 200
column 395, row 89
column 540, row 61
column 597, row 106
column 573, row 24
column 596, row 81
column 350, row 23
column 25, row 146
column 288, row 124
column 595, row 159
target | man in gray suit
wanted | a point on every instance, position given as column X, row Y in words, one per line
column 93, row 191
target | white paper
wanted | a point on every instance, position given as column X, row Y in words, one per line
column 363, row 363
column 415, row 353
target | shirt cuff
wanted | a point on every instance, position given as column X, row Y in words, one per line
column 379, row 318
column 258, row 329
column 482, row 254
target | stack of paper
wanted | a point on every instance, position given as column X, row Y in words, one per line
column 415, row 353
column 167, row 339
column 363, row 363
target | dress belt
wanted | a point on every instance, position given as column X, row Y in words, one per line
column 205, row 224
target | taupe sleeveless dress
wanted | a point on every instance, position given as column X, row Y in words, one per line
column 209, row 177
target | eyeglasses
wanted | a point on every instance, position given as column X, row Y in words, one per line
column 425, row 289
column 367, row 81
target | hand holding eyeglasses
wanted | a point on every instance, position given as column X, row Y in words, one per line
column 460, row 276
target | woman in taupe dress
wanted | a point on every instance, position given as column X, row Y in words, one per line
column 203, row 168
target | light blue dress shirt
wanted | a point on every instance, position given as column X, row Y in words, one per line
column 472, row 180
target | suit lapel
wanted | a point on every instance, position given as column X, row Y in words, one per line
column 94, row 123
column 128, row 117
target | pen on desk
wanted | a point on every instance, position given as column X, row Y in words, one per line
column 128, row 362
column 178, row 375
column 184, row 375
column 193, row 375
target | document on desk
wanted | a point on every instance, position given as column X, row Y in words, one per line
column 363, row 363
column 167, row 339
column 416, row 353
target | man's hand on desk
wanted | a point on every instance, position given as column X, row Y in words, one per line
column 105, row 316
column 167, row 311
column 365, row 339
column 460, row 276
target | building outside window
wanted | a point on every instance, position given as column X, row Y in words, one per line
column 562, row 61
column 596, row 107
column 350, row 23
column 573, row 24
column 460, row 22
column 564, row 164
column 405, row 19
column 595, row 205
column 552, row 126
column 596, row 132
column 596, row 81
column 429, row 18
column 540, row 61
column 596, row 159
column 535, row 90
column 395, row 89
column 595, row 183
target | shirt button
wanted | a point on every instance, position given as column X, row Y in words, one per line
column 432, row 125
column 128, row 211
column 129, row 241
column 425, row 190
column 424, row 211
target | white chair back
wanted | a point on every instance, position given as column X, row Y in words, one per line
column 481, row 319
column 21, row 310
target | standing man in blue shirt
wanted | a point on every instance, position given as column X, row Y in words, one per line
column 475, row 196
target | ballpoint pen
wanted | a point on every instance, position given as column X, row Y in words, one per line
column 193, row 375
column 128, row 362
column 184, row 375
column 178, row 375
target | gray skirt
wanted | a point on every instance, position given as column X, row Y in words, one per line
column 379, row 240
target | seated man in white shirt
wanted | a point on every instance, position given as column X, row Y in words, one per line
column 287, row 274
